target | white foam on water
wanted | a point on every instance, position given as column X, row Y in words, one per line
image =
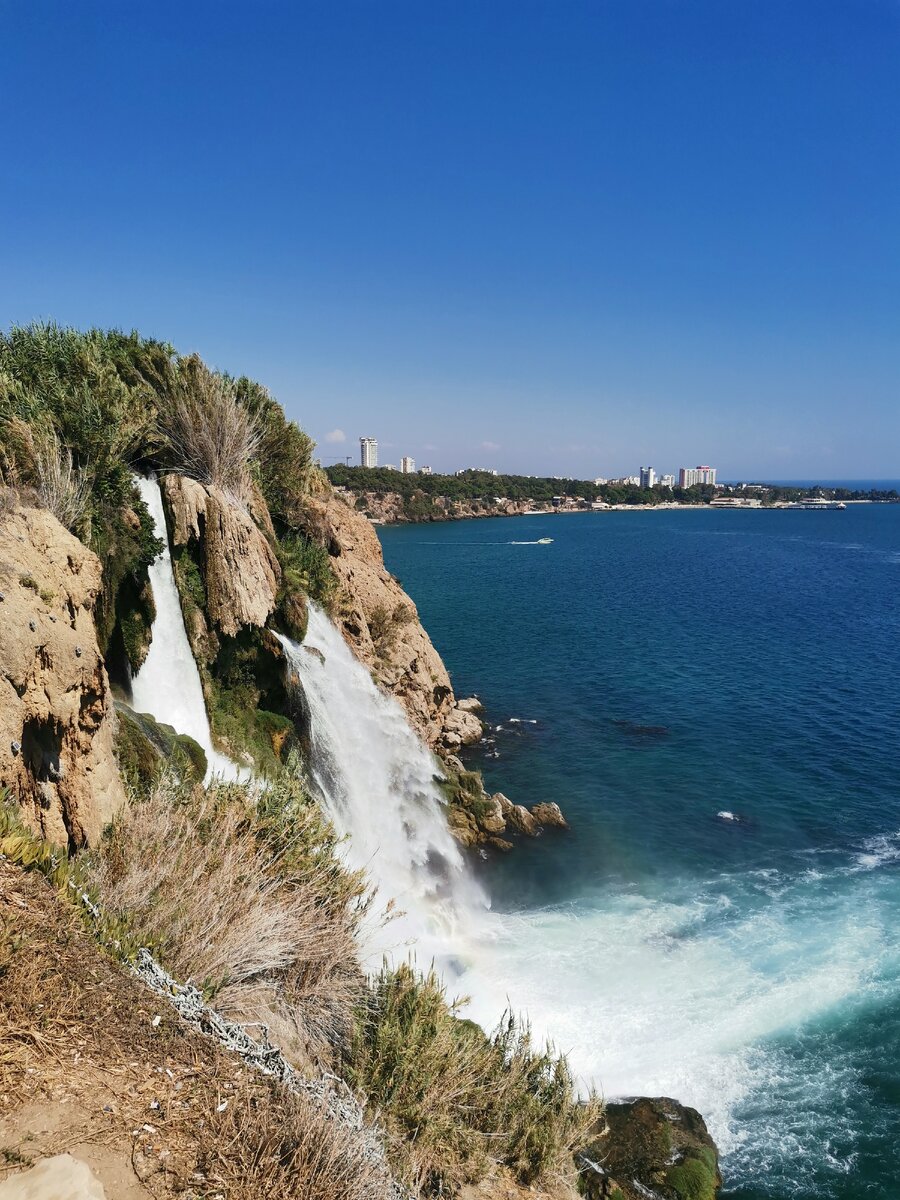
column 168, row 684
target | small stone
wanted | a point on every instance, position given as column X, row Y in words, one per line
column 2, row 596
column 78, row 652
column 16, row 747
column 32, row 626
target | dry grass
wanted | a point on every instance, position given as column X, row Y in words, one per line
column 213, row 436
column 263, row 924
column 94, row 1062
column 35, row 456
column 288, row 1151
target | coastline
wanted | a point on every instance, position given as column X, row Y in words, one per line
column 673, row 506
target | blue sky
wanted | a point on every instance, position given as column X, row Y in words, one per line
column 555, row 237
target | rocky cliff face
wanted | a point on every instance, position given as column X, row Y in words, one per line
column 382, row 626
column 56, row 716
column 240, row 567
column 391, row 508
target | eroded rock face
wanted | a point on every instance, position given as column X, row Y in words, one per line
column 651, row 1147
column 380, row 621
column 240, row 568
column 56, row 716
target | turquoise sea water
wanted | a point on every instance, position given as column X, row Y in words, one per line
column 650, row 671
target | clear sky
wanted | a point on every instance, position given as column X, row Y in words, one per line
column 556, row 237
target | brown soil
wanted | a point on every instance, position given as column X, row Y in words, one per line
column 93, row 1063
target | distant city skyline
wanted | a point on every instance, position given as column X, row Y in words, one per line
column 663, row 233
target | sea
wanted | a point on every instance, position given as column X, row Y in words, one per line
column 713, row 699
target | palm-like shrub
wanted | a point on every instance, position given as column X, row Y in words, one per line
column 213, row 436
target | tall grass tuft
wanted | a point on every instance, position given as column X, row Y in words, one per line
column 240, row 890
column 214, row 437
column 34, row 455
column 456, row 1102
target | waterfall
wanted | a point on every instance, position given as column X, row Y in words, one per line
column 376, row 780
column 168, row 684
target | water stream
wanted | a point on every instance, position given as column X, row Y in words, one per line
column 377, row 782
column 168, row 684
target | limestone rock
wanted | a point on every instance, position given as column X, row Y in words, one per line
column 517, row 816
column 461, row 728
column 549, row 815
column 471, row 704
column 491, row 817
column 60, row 1178
column 401, row 657
column 240, row 568
column 56, row 715
column 652, row 1147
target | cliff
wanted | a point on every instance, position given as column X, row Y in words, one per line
column 393, row 508
column 56, row 717
column 382, row 625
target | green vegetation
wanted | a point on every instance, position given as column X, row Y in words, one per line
column 456, row 1101
column 695, row 1177
column 145, row 749
column 481, row 490
column 385, row 625
column 306, row 568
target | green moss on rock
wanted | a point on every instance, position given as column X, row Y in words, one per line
column 144, row 747
column 692, row 1179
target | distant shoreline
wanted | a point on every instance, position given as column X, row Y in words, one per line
column 616, row 508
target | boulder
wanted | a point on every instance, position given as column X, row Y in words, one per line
column 518, row 817
column 471, row 704
column 549, row 815
column 490, row 816
column 56, row 713
column 461, row 728
column 651, row 1147
column 59, row 1178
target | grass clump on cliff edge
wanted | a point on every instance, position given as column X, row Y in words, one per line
column 240, row 889
column 455, row 1102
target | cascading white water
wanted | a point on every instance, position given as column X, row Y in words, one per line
column 377, row 782
column 168, row 684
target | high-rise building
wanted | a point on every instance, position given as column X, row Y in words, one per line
column 667, row 481
column 690, row 476
column 368, row 452
column 407, row 465
column 648, row 477
column 424, row 470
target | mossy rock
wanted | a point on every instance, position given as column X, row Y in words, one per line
column 653, row 1146
column 695, row 1178
column 292, row 615
column 145, row 746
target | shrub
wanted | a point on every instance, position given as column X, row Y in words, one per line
column 212, row 435
column 284, row 465
column 239, row 889
column 306, row 568
column 455, row 1101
